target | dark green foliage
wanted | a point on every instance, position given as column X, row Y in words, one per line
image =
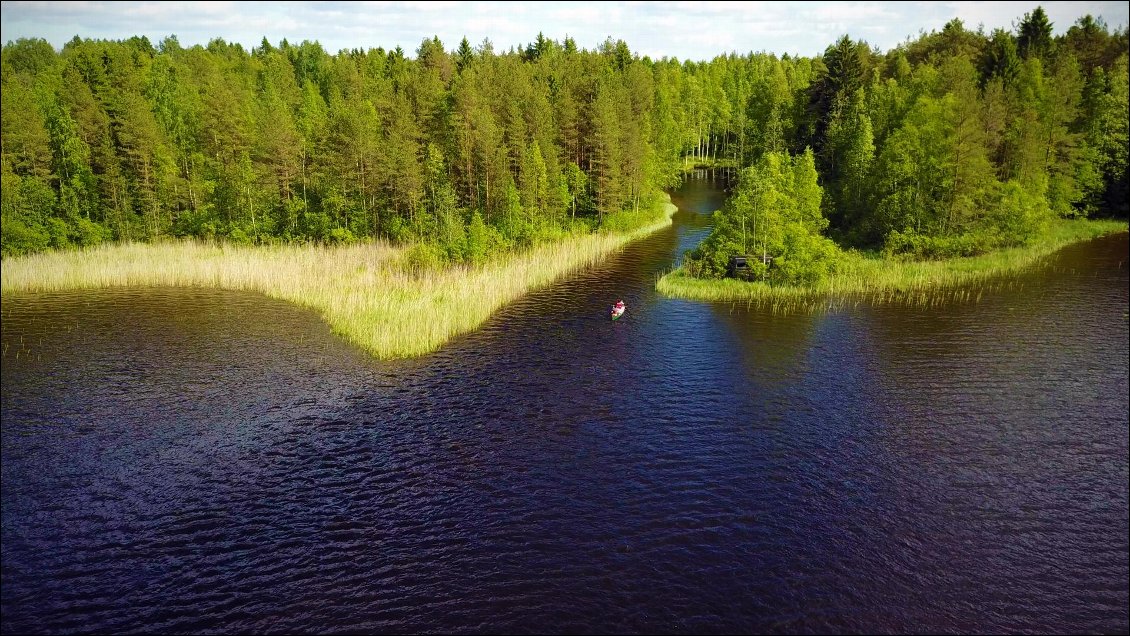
column 774, row 213
column 1000, row 59
column 846, row 66
column 954, row 143
column 1035, row 34
column 468, row 152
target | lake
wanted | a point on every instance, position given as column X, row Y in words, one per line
column 179, row 460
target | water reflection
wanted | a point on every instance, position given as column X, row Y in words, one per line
column 774, row 345
column 188, row 460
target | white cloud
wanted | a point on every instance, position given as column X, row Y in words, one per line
column 1061, row 14
column 587, row 14
column 854, row 13
column 686, row 30
column 430, row 6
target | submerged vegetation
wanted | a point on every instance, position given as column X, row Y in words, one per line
column 385, row 299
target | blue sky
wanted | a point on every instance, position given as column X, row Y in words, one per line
column 686, row 30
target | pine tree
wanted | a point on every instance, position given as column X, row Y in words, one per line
column 1034, row 37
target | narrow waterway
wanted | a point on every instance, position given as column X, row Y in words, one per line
column 204, row 461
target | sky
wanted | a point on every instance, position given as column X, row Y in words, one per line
column 684, row 30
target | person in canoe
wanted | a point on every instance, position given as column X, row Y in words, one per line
column 618, row 309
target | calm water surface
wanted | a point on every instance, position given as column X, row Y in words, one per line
column 203, row 461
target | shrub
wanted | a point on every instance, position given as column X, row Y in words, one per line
column 424, row 257
column 86, row 232
column 16, row 237
column 340, row 235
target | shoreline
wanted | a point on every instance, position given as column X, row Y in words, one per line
column 882, row 280
column 364, row 292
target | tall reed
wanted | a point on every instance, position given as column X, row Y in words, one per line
column 366, row 292
column 876, row 280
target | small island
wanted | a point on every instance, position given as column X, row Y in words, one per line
column 925, row 172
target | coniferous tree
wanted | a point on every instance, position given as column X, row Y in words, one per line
column 1035, row 34
column 954, row 142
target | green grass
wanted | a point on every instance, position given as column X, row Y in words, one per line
column 368, row 293
column 879, row 280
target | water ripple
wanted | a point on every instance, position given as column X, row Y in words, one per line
column 200, row 461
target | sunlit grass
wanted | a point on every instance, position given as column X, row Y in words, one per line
column 367, row 293
column 876, row 280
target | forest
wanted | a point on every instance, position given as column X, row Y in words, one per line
column 953, row 143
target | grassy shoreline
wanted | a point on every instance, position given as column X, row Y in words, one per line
column 364, row 291
column 884, row 280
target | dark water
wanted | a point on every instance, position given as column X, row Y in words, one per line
column 197, row 461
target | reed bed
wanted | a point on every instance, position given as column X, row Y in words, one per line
column 366, row 292
column 877, row 281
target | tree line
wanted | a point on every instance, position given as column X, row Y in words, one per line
column 468, row 151
column 955, row 142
